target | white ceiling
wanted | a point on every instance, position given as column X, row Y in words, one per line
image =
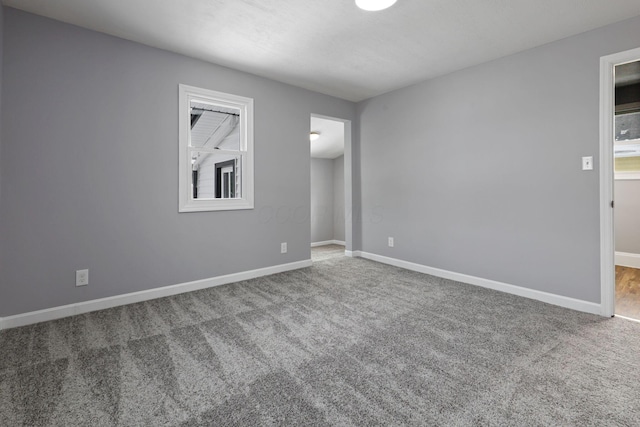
column 333, row 47
column 331, row 142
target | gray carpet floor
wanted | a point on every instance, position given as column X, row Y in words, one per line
column 326, row 252
column 345, row 342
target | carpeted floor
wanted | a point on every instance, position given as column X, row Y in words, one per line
column 345, row 342
column 326, row 252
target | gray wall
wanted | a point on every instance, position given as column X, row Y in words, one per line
column 338, row 198
column 1, row 57
column 90, row 169
column 327, row 199
column 321, row 200
column 627, row 216
column 478, row 171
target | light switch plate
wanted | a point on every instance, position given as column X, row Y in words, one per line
column 587, row 163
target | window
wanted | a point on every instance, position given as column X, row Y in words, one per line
column 216, row 150
column 626, row 148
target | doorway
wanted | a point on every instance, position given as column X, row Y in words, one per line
column 620, row 184
column 330, row 171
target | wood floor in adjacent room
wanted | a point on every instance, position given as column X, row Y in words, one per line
column 628, row 292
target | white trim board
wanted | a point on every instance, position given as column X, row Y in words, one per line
column 567, row 302
column 118, row 300
column 327, row 242
column 626, row 259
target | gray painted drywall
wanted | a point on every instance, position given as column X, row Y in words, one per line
column 627, row 216
column 1, row 57
column 90, row 163
column 353, row 190
column 327, row 199
column 3, row 285
column 479, row 171
column 321, row 200
column 338, row 198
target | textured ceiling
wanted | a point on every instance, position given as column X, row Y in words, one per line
column 331, row 142
column 333, row 47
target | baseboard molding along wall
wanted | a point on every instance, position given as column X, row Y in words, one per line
column 626, row 259
column 327, row 242
column 118, row 300
column 567, row 302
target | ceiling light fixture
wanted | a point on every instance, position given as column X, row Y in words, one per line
column 373, row 5
column 314, row 135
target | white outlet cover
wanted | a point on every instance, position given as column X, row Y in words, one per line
column 283, row 248
column 82, row 277
column 587, row 163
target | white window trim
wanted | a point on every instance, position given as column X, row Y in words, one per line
column 186, row 203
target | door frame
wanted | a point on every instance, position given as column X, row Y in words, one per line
column 607, row 237
column 348, row 182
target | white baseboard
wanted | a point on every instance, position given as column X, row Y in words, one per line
column 118, row 300
column 572, row 303
column 626, row 259
column 327, row 242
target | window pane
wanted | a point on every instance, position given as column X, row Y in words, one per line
column 215, row 176
column 215, row 142
column 214, row 126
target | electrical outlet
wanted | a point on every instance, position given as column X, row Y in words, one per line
column 283, row 247
column 391, row 243
column 587, row 163
column 82, row 277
